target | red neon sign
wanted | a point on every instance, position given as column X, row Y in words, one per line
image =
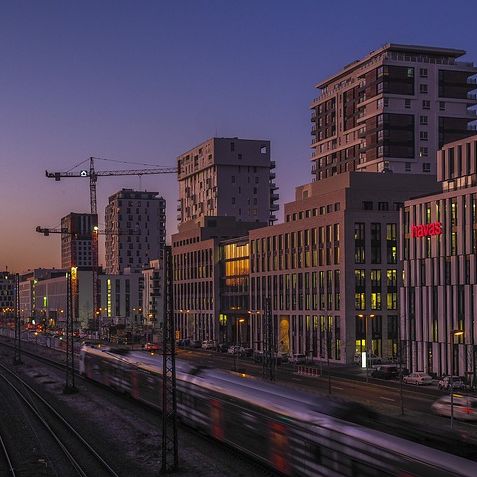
column 418, row 231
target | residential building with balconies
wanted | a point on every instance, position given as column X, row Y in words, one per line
column 392, row 110
column 227, row 177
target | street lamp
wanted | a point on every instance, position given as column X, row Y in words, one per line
column 366, row 339
column 237, row 325
column 452, row 334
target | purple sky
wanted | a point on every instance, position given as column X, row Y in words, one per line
column 145, row 81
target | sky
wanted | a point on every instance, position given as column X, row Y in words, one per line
column 143, row 81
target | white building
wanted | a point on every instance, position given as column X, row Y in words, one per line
column 121, row 298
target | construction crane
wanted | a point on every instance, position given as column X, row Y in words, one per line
column 93, row 175
column 47, row 231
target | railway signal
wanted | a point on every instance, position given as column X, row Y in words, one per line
column 17, row 342
column 70, row 387
column 170, row 455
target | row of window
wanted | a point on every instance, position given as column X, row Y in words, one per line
column 305, row 248
column 376, row 243
column 297, row 291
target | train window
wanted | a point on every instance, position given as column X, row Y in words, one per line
column 314, row 451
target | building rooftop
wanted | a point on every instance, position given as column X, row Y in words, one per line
column 396, row 47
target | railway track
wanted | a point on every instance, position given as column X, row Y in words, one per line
column 74, row 455
column 200, row 442
column 7, row 459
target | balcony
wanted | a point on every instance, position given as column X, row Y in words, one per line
column 272, row 218
column 472, row 96
column 272, row 176
column 274, row 207
column 273, row 164
column 471, row 80
column 274, row 196
column 362, row 133
column 472, row 127
column 273, row 186
column 179, row 217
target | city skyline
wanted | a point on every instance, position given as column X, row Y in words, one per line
column 118, row 87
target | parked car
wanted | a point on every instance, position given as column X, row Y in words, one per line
column 151, row 347
column 417, row 379
column 385, row 371
column 457, row 383
column 248, row 352
column 208, row 344
column 236, row 350
column 195, row 344
column 222, row 347
column 465, row 407
column 258, row 357
column 184, row 342
column 297, row 358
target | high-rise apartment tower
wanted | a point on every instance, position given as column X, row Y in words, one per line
column 136, row 230
column 392, row 110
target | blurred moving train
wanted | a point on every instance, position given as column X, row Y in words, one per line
column 294, row 433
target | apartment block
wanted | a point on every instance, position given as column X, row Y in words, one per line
column 227, row 177
column 392, row 110
column 332, row 267
column 136, row 230
column 439, row 248
column 76, row 243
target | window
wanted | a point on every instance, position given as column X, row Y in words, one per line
column 423, row 151
column 367, row 205
column 423, row 136
column 442, row 106
column 359, row 242
column 233, row 200
column 423, row 88
column 233, row 178
column 423, row 72
column 426, row 104
column 391, row 243
column 375, row 243
column 423, row 120
column 360, row 289
column 407, row 167
column 426, row 167
column 383, row 205
column 407, row 103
